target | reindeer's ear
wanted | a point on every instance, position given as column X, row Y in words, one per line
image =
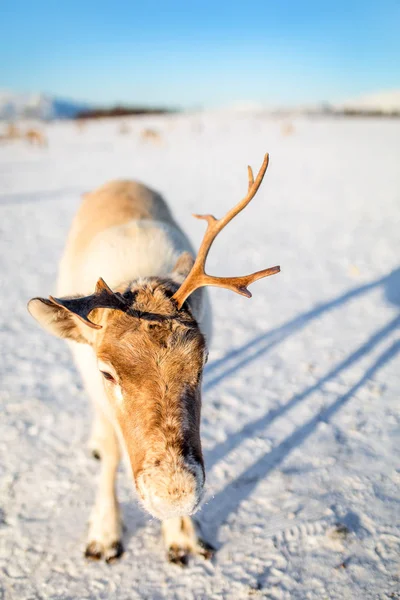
column 69, row 317
column 58, row 320
column 182, row 267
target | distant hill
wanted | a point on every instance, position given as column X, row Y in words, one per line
column 37, row 106
column 44, row 107
column 121, row 111
column 386, row 102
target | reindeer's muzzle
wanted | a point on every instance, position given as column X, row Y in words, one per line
column 168, row 493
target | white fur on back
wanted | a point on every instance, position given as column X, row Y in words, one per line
column 139, row 248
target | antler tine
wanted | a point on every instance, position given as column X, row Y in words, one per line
column 198, row 277
column 250, row 175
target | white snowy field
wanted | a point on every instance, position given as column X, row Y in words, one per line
column 300, row 422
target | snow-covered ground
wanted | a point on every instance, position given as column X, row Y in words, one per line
column 300, row 406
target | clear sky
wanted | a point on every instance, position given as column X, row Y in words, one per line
column 200, row 54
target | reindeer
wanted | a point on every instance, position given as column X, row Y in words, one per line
column 287, row 128
column 81, row 125
column 12, row 132
column 34, row 136
column 150, row 135
column 124, row 128
column 142, row 352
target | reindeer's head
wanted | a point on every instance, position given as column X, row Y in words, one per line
column 150, row 355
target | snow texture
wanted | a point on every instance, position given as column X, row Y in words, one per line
column 300, row 422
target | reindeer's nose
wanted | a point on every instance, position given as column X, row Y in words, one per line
column 167, row 494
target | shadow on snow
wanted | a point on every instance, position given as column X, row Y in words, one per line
column 229, row 499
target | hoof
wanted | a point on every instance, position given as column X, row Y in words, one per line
column 96, row 551
column 114, row 552
column 179, row 555
column 205, row 549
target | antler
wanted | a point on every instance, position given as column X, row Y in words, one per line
column 103, row 297
column 198, row 277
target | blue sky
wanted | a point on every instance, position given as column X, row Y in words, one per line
column 193, row 54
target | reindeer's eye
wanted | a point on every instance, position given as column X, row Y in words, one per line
column 108, row 376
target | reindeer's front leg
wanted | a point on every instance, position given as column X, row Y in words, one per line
column 104, row 539
column 181, row 540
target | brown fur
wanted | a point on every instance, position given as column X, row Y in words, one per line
column 159, row 366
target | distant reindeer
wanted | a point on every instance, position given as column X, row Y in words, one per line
column 12, row 132
column 81, row 125
column 142, row 352
column 150, row 135
column 287, row 129
column 124, row 128
column 35, row 137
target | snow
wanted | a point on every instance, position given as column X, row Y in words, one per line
column 300, row 421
